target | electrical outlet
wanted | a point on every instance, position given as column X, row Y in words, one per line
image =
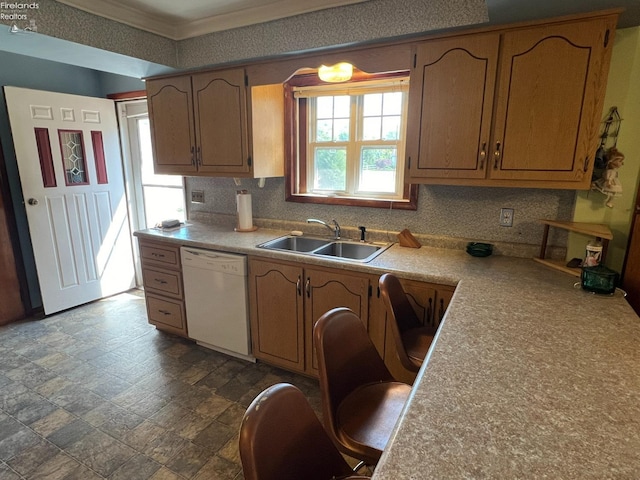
column 506, row 217
column 197, row 196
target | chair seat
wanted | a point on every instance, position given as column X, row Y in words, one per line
column 416, row 343
column 367, row 416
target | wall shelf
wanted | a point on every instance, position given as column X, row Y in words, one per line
column 599, row 231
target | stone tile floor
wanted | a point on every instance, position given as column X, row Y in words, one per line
column 96, row 392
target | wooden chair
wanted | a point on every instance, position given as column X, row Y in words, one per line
column 411, row 338
column 281, row 438
column 361, row 401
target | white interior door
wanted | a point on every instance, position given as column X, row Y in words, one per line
column 68, row 155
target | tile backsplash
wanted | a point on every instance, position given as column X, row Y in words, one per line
column 445, row 214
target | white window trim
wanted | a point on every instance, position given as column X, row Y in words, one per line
column 354, row 145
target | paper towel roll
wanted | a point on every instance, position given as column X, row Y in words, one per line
column 245, row 217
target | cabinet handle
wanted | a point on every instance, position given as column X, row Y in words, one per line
column 157, row 255
column 483, row 155
column 299, row 286
column 496, row 156
column 429, row 313
column 193, row 155
column 198, row 157
column 307, row 287
column 586, row 163
column 160, row 281
column 164, row 312
column 441, row 315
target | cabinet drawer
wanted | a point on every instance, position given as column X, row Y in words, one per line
column 156, row 254
column 165, row 312
column 163, row 281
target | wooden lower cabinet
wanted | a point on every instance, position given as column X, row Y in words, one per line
column 287, row 299
column 163, row 286
column 326, row 290
column 430, row 302
column 277, row 313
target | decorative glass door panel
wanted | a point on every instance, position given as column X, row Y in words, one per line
column 73, row 157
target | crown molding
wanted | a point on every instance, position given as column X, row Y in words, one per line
column 181, row 30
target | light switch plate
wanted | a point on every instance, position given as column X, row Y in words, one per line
column 197, row 196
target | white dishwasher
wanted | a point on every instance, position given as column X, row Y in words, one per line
column 216, row 302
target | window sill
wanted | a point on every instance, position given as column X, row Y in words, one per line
column 409, row 204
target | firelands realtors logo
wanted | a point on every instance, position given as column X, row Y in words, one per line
column 16, row 11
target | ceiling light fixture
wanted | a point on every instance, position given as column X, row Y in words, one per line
column 340, row 72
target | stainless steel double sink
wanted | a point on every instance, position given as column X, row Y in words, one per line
column 337, row 249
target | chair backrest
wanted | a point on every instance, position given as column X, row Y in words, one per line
column 347, row 359
column 400, row 313
column 281, row 438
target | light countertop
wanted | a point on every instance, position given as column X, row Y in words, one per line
column 528, row 377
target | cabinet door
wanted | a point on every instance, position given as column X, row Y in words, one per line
column 220, row 103
column 549, row 101
column 443, row 299
column 326, row 290
column 277, row 328
column 450, row 104
column 172, row 132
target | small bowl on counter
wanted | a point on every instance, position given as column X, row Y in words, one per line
column 478, row 249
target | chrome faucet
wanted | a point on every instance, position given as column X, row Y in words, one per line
column 335, row 229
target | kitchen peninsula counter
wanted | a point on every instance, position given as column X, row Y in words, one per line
column 528, row 376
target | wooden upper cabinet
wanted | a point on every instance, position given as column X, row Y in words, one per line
column 220, row 108
column 172, row 131
column 202, row 125
column 527, row 116
column 549, row 102
column 450, row 104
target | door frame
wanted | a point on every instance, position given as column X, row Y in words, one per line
column 128, row 108
column 634, row 218
column 9, row 221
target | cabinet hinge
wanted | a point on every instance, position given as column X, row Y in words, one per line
column 415, row 60
column 606, row 38
column 249, row 160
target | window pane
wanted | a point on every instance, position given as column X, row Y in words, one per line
column 330, row 172
column 392, row 103
column 371, row 128
column 324, row 130
column 162, row 203
column 342, row 106
column 372, row 104
column 146, row 159
column 341, row 132
column 324, row 107
column 378, row 169
column 390, row 128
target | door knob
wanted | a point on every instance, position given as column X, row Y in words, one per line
column 32, row 201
